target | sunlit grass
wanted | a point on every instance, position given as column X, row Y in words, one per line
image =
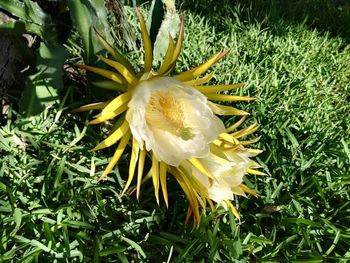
column 52, row 207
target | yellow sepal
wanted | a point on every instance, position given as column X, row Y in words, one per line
column 200, row 81
column 118, row 153
column 92, row 106
column 162, row 176
column 146, row 42
column 104, row 73
column 140, row 167
column 114, row 137
column 168, row 59
column 115, row 53
column 225, row 110
column 116, row 103
column 133, row 162
column 155, row 176
column 225, row 97
column 124, row 71
column 195, row 72
column 218, row 88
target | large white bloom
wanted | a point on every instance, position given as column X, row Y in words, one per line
column 228, row 171
column 172, row 119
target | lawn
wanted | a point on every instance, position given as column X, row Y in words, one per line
column 294, row 60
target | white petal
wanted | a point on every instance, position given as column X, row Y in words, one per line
column 172, row 119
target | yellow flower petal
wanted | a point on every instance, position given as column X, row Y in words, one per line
column 102, row 118
column 114, row 137
column 195, row 72
column 168, row 59
column 250, row 141
column 248, row 190
column 255, row 172
column 115, row 53
column 105, row 73
column 162, row 175
column 199, row 166
column 200, row 81
column 146, row 42
column 218, row 88
column 246, row 131
column 236, row 124
column 119, row 101
column 140, row 167
column 129, row 76
column 118, row 153
column 225, row 97
column 155, row 176
column 132, row 165
column 233, row 209
column 178, row 43
column 189, row 194
column 225, row 110
column 110, row 85
column 92, row 106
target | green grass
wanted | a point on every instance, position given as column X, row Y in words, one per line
column 52, row 208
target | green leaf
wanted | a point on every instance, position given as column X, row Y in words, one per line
column 39, row 245
column 17, row 215
column 27, row 10
column 85, row 15
column 42, row 87
column 135, row 246
column 30, row 13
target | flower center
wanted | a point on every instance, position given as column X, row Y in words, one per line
column 165, row 112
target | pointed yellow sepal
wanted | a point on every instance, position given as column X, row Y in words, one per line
column 104, row 73
column 168, row 59
column 155, row 176
column 132, row 165
column 162, row 176
column 218, row 88
column 128, row 76
column 140, row 167
column 255, row 172
column 225, row 97
column 225, row 110
column 200, row 81
column 114, row 137
column 114, row 52
column 92, row 106
column 118, row 153
column 195, row 72
column 146, row 42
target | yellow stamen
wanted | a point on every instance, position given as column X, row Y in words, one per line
column 166, row 112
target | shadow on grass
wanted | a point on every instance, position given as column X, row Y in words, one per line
column 331, row 16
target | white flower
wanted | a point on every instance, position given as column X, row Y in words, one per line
column 228, row 171
column 172, row 119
